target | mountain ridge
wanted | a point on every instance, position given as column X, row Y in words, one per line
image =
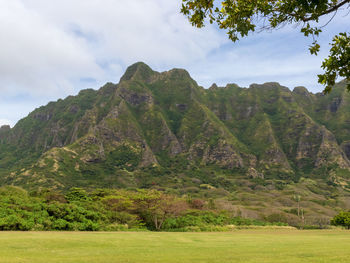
column 149, row 118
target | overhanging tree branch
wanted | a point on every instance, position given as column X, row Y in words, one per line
column 328, row 11
column 241, row 17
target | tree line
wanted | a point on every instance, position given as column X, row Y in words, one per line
column 110, row 210
column 120, row 210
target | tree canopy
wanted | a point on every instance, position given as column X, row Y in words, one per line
column 241, row 17
column 342, row 219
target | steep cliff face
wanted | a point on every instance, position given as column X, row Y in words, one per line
column 152, row 122
column 332, row 110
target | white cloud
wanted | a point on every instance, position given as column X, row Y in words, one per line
column 35, row 56
column 50, row 49
column 149, row 30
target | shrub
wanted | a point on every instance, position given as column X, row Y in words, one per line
column 77, row 194
column 61, row 224
column 342, row 219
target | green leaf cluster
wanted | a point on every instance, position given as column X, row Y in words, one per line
column 240, row 17
column 342, row 219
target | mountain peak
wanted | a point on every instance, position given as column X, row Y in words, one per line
column 179, row 73
column 213, row 86
column 5, row 128
column 301, row 90
column 139, row 70
column 270, row 86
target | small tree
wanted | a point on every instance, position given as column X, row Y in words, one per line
column 342, row 219
column 155, row 207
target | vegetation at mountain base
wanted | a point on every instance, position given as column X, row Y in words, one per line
column 342, row 219
column 241, row 17
column 136, row 210
column 248, row 149
column 113, row 210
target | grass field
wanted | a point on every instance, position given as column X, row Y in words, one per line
column 237, row 246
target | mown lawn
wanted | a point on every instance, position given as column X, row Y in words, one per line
column 237, row 246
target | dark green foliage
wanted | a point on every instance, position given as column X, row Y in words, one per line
column 205, row 219
column 337, row 64
column 342, row 219
column 123, row 157
column 77, row 194
column 276, row 217
column 105, row 209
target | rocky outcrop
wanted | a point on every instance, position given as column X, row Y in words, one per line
column 308, row 145
column 222, row 154
column 135, row 96
column 346, row 148
column 158, row 133
column 335, row 104
column 330, row 152
column 5, row 128
column 301, row 91
column 252, row 173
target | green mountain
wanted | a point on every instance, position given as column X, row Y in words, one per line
column 162, row 130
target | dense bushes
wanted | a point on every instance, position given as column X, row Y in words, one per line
column 342, row 219
column 109, row 210
column 205, row 220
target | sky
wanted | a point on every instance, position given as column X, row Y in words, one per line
column 52, row 49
